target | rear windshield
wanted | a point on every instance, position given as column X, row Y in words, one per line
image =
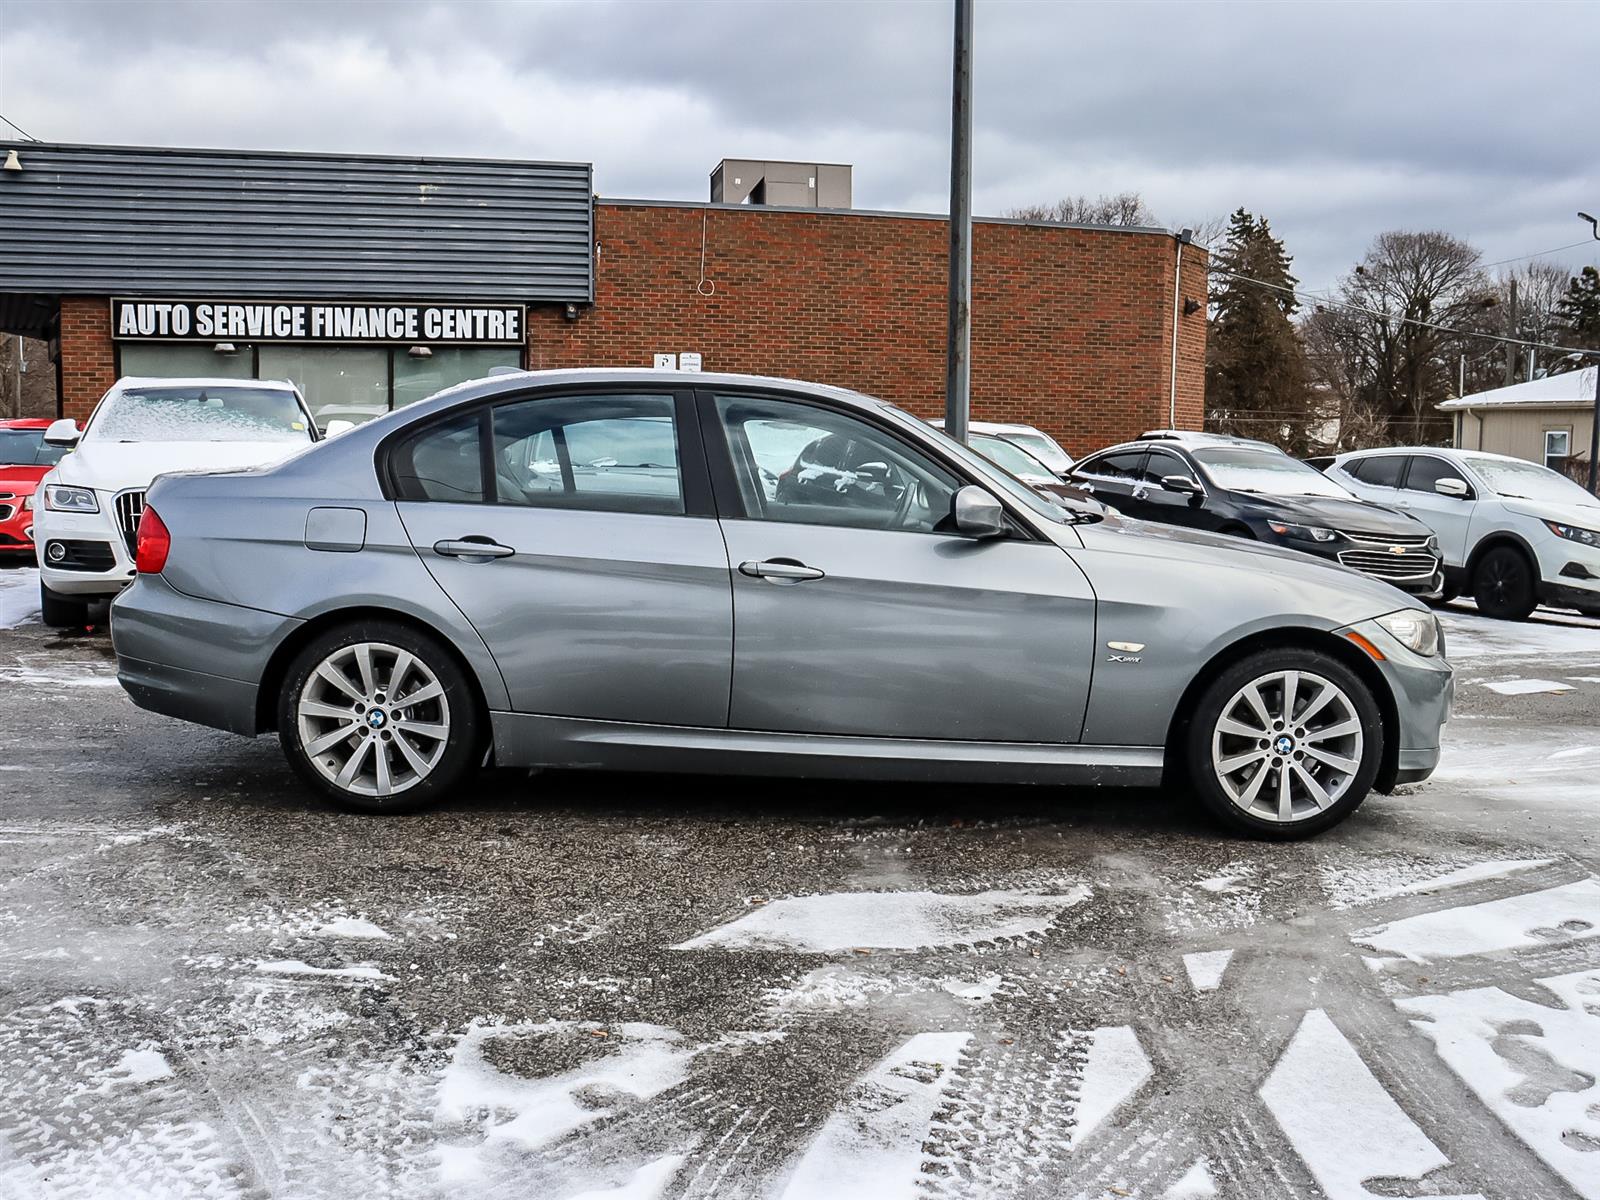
column 26, row 448
column 201, row 413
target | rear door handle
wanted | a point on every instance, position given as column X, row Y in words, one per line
column 780, row 570
column 481, row 549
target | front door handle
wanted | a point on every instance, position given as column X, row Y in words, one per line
column 780, row 570
column 473, row 549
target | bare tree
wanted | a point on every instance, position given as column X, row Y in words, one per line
column 1125, row 208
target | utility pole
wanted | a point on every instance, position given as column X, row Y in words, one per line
column 1594, row 432
column 1511, row 347
column 958, row 332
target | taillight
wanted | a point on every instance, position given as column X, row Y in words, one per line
column 151, row 544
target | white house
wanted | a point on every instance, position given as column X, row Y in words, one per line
column 1545, row 420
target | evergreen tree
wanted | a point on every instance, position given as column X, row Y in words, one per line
column 1579, row 313
column 1256, row 378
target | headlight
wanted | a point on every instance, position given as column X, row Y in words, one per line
column 1416, row 631
column 27, row 502
column 1306, row 533
column 1572, row 533
column 60, row 498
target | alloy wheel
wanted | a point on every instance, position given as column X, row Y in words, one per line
column 373, row 719
column 1287, row 746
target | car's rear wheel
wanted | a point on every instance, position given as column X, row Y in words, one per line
column 1504, row 585
column 61, row 612
column 1285, row 743
column 379, row 717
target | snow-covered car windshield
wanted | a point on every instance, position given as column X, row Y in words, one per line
column 1528, row 481
column 201, row 413
column 1239, row 469
column 1042, row 448
column 1013, row 458
column 26, row 448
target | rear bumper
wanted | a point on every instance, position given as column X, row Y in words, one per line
column 198, row 660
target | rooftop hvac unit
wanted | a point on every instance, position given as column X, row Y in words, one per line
column 781, row 184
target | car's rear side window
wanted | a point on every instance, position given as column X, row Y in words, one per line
column 1381, row 470
column 604, row 453
column 1123, row 464
column 443, row 462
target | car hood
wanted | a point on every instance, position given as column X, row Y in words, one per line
column 1304, row 582
column 1356, row 516
column 113, row 466
column 1585, row 516
column 21, row 480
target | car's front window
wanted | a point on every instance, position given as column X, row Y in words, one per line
column 1237, row 469
column 1528, row 481
column 200, row 413
column 26, row 448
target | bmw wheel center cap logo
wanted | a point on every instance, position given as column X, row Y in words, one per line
column 376, row 719
column 1284, row 744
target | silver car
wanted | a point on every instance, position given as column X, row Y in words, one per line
column 658, row 571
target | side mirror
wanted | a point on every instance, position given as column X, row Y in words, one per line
column 1451, row 486
column 977, row 513
column 62, row 433
column 1185, row 484
column 335, row 428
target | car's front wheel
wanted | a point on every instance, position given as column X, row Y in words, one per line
column 61, row 612
column 378, row 716
column 1285, row 743
column 1504, row 584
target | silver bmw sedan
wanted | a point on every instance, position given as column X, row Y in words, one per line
column 724, row 573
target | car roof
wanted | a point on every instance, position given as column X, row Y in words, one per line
column 1457, row 451
column 1195, row 437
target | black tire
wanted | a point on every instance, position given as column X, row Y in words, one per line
column 61, row 612
column 1505, row 584
column 1198, row 745
column 460, row 707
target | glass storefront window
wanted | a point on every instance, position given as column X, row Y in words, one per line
column 186, row 361
column 418, row 378
column 340, row 383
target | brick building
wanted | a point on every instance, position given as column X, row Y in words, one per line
column 141, row 261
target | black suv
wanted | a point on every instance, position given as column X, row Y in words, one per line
column 1254, row 490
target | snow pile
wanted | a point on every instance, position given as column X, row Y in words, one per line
column 1520, row 922
column 838, row 922
column 1533, row 1066
column 19, row 597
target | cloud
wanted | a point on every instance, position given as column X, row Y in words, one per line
column 1337, row 121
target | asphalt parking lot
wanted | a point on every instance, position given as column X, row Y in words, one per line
column 570, row 985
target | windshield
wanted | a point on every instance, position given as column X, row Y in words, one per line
column 26, row 448
column 1267, row 471
column 1044, row 449
column 1010, row 484
column 201, row 413
column 1013, row 458
column 1529, row 481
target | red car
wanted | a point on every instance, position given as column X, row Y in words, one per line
column 24, row 460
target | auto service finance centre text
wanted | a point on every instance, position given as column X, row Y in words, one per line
column 374, row 281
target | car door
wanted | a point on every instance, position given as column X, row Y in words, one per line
column 576, row 532
column 1448, row 516
column 1158, row 503
column 857, row 612
column 1114, row 477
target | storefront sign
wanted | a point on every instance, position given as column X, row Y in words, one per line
column 317, row 321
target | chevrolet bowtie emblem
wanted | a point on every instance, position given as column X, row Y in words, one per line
column 1397, row 549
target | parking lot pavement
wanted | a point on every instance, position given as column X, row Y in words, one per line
column 566, row 985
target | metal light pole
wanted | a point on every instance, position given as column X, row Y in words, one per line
column 958, row 333
column 1594, row 428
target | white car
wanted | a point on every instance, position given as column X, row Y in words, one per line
column 86, row 511
column 1035, row 441
column 1513, row 534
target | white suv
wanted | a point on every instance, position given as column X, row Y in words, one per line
column 1513, row 533
column 86, row 511
column 1035, row 441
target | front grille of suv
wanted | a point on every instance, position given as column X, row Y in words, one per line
column 129, row 508
column 1396, row 559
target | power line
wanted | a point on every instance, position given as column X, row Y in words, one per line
column 1538, row 254
column 1323, row 302
column 18, row 128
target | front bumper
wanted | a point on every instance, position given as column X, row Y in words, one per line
column 16, row 528
column 198, row 660
column 89, row 540
column 1423, row 690
column 1569, row 575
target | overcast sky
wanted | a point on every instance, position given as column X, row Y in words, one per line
column 1335, row 120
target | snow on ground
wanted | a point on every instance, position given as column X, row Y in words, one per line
column 1552, row 765
column 1363, row 878
column 1527, row 687
column 1115, row 1069
column 293, row 966
column 1533, row 1065
column 19, row 597
column 64, row 674
column 494, row 1118
column 144, row 1065
column 351, row 927
column 1342, row 1123
column 871, row 1147
column 1472, row 638
column 1566, row 913
column 1196, row 1184
column 647, row 1183
column 838, row 922
column 1206, row 967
